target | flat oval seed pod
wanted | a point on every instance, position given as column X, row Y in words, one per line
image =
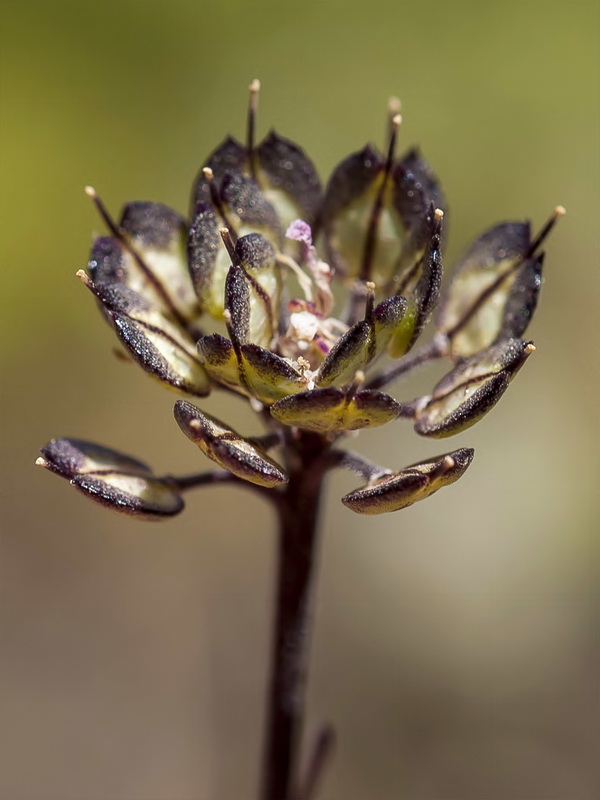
column 414, row 483
column 507, row 356
column 255, row 253
column 161, row 355
column 268, row 376
column 421, row 288
column 416, row 189
column 256, row 256
column 237, row 303
column 229, row 157
column 243, row 199
column 370, row 409
column 70, row 457
column 349, row 354
column 349, row 180
column 112, row 262
column 521, row 300
column 111, row 478
column 462, row 408
column 227, row 448
column 208, row 260
column 109, row 262
column 411, row 266
column 130, row 494
column 332, row 410
column 159, row 234
column 158, row 345
column 404, row 335
column 480, row 303
column 233, row 200
column 348, row 205
column 388, row 317
column 467, row 393
column 218, row 358
column 288, row 179
column 362, row 343
column 388, row 494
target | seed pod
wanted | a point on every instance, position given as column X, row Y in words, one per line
column 522, row 299
column 420, row 285
column 332, row 410
column 416, row 482
column 473, row 387
column 227, row 448
column 109, row 262
column 111, row 478
column 268, row 376
column 349, row 354
column 416, row 190
column 288, row 179
column 159, row 235
column 217, row 356
column 228, row 158
column 158, row 345
column 348, row 204
column 237, row 303
column 252, row 370
column 236, row 203
column 244, row 203
column 147, row 254
column 494, row 290
column 388, row 317
column 362, row 343
column 257, row 258
column 374, row 211
column 416, row 193
column 286, row 176
column 208, row 260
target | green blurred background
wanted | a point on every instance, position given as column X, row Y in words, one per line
column 454, row 641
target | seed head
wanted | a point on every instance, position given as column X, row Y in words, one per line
column 241, row 297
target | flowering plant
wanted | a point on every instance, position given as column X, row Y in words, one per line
column 309, row 338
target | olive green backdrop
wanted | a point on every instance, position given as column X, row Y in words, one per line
column 454, row 641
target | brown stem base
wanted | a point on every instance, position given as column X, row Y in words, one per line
column 297, row 556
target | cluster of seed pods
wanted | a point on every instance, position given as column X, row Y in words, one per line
column 315, row 300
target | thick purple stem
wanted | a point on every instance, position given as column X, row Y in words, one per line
column 294, row 602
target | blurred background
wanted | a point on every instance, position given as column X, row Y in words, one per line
column 454, row 644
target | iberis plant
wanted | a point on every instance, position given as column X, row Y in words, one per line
column 307, row 302
column 310, row 360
